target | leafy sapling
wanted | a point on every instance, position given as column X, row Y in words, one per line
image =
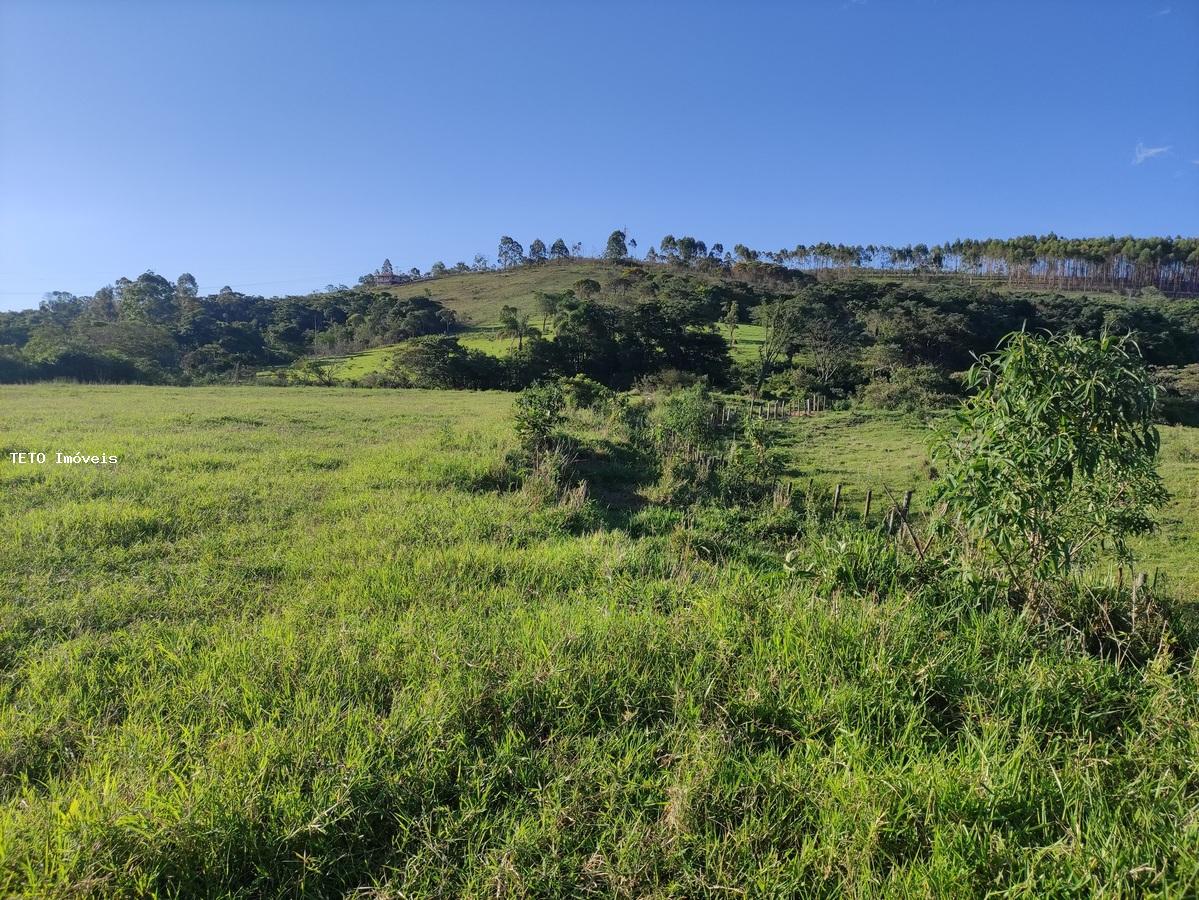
column 1052, row 456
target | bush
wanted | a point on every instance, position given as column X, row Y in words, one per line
column 751, row 470
column 910, row 389
column 540, row 409
column 1178, row 402
column 106, row 367
column 630, row 414
column 667, row 381
column 441, row 362
column 15, row 368
column 686, row 477
column 582, row 392
column 1054, row 453
column 686, row 420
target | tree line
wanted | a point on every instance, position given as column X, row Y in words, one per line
column 889, row 344
column 891, row 341
column 150, row 329
column 1117, row 264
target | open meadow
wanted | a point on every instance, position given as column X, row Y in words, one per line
column 309, row 641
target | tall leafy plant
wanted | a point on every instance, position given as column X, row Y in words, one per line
column 1052, row 456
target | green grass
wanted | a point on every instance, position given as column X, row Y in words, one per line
column 478, row 297
column 378, row 359
column 876, row 451
column 749, row 339
column 304, row 642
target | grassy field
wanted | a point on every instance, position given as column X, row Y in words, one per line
column 378, row 359
column 309, row 642
column 478, row 297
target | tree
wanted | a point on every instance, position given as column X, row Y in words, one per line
column 186, row 290
column 438, row 361
column 480, row 263
column 511, row 253
column 537, row 253
column 151, row 298
column 437, row 269
column 1053, row 454
column 617, row 248
column 778, row 320
column 732, row 315
column 690, row 248
column 831, row 338
column 103, row 305
column 313, row 371
column 559, row 250
column 586, row 288
column 548, row 304
column 514, row 324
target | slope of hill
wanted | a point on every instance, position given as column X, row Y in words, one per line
column 478, row 297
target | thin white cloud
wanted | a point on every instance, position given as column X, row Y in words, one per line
column 1142, row 153
column 1165, row 11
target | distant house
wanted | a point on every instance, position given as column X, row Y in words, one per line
column 386, row 275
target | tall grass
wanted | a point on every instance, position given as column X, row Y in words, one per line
column 308, row 643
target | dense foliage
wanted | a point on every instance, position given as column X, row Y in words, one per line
column 1053, row 455
column 691, row 309
column 151, row 330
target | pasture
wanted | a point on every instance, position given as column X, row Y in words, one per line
column 307, row 641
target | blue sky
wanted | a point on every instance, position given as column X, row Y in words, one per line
column 277, row 147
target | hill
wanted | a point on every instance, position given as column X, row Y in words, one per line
column 913, row 308
column 832, row 332
column 478, row 297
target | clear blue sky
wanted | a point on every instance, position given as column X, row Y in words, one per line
column 277, row 147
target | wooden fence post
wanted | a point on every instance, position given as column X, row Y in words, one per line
column 866, row 508
column 836, row 499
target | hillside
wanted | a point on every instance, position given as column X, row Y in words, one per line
column 478, row 297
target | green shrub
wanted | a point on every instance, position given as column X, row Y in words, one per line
column 686, row 477
column 1179, row 397
column 15, row 368
column 750, row 470
column 1053, row 454
column 582, row 392
column 437, row 361
column 910, row 389
column 686, row 420
column 540, row 410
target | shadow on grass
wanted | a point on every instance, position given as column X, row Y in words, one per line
column 615, row 474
